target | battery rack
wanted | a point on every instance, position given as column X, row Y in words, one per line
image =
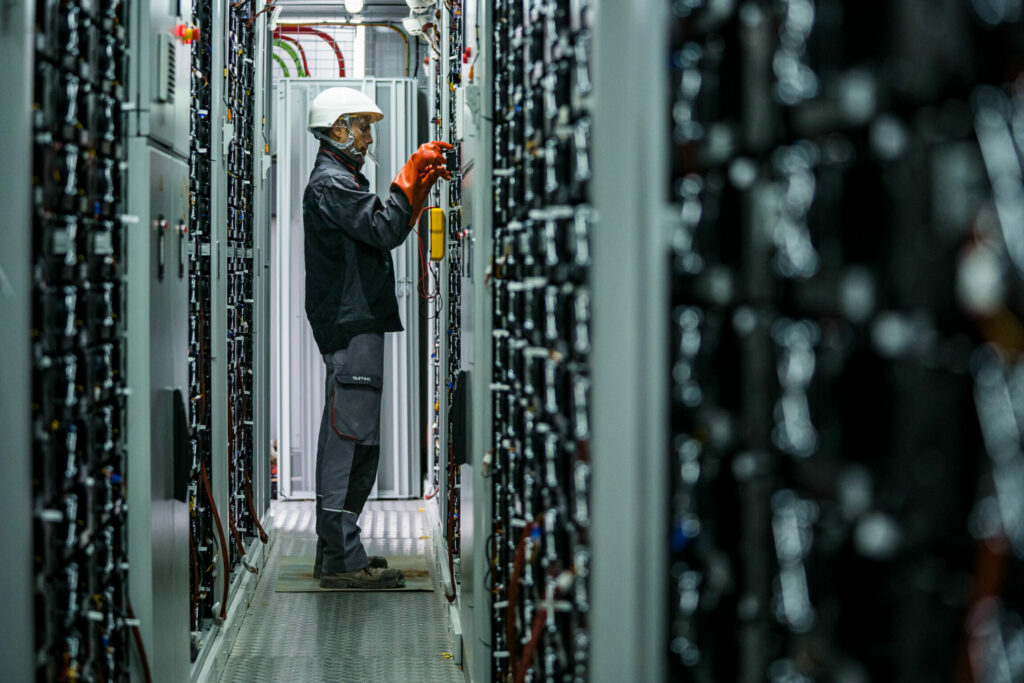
column 455, row 261
column 203, row 543
column 539, row 553
column 844, row 405
column 78, row 337
column 240, row 81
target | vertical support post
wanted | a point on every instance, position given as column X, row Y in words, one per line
column 260, row 398
column 482, row 246
column 218, row 279
column 16, row 637
column 630, row 289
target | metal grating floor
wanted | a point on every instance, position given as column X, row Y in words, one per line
column 342, row 637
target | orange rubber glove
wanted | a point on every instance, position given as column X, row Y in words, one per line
column 420, row 172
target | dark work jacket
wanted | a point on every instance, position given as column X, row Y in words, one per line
column 349, row 235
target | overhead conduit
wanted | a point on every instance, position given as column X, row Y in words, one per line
column 405, row 37
column 283, row 43
column 284, row 30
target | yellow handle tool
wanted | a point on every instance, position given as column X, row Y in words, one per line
column 436, row 218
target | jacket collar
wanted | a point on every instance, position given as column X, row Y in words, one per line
column 341, row 159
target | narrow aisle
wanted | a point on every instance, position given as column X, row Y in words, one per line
column 345, row 636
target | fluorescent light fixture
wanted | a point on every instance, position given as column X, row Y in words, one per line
column 353, row 6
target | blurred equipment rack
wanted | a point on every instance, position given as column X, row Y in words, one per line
column 82, row 613
column 539, row 554
column 833, row 511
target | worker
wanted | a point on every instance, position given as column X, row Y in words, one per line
column 351, row 304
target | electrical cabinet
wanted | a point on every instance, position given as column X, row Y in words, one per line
column 163, row 557
column 156, row 261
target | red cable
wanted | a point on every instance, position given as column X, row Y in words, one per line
column 531, row 647
column 266, row 8
column 425, row 268
column 451, row 522
column 138, row 643
column 241, row 547
column 264, row 538
column 223, row 542
column 513, row 595
column 305, row 30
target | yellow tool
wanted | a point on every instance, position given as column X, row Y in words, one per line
column 436, row 219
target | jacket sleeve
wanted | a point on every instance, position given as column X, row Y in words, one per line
column 362, row 215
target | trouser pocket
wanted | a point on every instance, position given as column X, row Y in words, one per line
column 355, row 412
column 358, row 381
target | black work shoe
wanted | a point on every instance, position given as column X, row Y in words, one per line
column 367, row 578
column 375, row 562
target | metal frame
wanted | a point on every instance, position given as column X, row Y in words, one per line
column 477, row 616
column 298, row 366
column 261, row 271
column 17, row 646
column 630, row 334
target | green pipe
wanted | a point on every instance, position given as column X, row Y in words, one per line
column 294, row 55
column 280, row 62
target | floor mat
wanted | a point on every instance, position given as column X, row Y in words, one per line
column 296, row 575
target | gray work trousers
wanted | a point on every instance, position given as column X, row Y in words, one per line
column 348, row 450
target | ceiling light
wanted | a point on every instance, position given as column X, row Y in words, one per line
column 353, row 6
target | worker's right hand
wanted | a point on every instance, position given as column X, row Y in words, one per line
column 422, row 170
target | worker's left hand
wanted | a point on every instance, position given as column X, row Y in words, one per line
column 433, row 173
column 429, row 155
column 426, row 182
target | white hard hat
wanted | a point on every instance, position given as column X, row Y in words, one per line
column 335, row 102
